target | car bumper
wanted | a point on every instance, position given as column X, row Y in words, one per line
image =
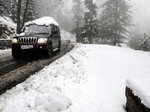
column 37, row 46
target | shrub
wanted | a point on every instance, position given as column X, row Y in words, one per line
column 139, row 42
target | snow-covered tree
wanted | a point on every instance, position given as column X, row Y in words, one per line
column 91, row 23
column 22, row 11
column 29, row 12
column 78, row 11
column 13, row 10
column 4, row 7
column 114, row 20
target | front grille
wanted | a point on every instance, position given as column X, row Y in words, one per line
column 28, row 40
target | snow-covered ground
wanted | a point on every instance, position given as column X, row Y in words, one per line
column 90, row 78
column 8, row 26
column 4, row 53
column 140, row 87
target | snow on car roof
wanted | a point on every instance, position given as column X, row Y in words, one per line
column 43, row 21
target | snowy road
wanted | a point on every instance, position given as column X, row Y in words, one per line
column 5, row 53
column 13, row 72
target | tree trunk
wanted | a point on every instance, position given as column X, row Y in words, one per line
column 90, row 35
column 18, row 16
column 115, row 40
column 77, row 32
column 116, row 23
column 25, row 12
column 90, row 39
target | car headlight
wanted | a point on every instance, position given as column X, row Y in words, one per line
column 42, row 40
column 14, row 41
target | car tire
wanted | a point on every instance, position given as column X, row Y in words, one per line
column 49, row 52
column 16, row 51
column 59, row 46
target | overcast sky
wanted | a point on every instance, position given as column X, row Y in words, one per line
column 141, row 14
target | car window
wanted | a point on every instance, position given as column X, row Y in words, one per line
column 37, row 29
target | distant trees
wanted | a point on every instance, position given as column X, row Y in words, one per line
column 139, row 42
column 91, row 22
column 111, row 27
column 85, row 16
column 78, row 11
column 114, row 21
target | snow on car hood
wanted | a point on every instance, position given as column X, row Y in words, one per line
column 34, row 35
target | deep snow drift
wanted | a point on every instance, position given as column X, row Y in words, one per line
column 90, row 78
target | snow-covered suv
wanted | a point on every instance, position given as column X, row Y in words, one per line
column 42, row 33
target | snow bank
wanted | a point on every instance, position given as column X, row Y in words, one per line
column 141, row 88
column 43, row 21
column 4, row 53
column 8, row 28
column 42, row 92
column 90, row 78
column 34, row 101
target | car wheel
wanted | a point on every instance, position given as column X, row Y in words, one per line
column 59, row 46
column 49, row 50
column 16, row 51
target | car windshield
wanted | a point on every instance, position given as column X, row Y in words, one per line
column 37, row 29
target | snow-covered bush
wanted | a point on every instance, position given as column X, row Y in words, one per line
column 103, row 41
column 7, row 28
column 140, row 42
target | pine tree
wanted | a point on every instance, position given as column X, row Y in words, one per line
column 78, row 12
column 90, row 17
column 114, row 20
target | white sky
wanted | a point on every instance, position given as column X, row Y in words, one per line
column 141, row 14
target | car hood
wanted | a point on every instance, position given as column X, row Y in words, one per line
column 34, row 35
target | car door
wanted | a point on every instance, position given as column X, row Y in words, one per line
column 54, row 37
